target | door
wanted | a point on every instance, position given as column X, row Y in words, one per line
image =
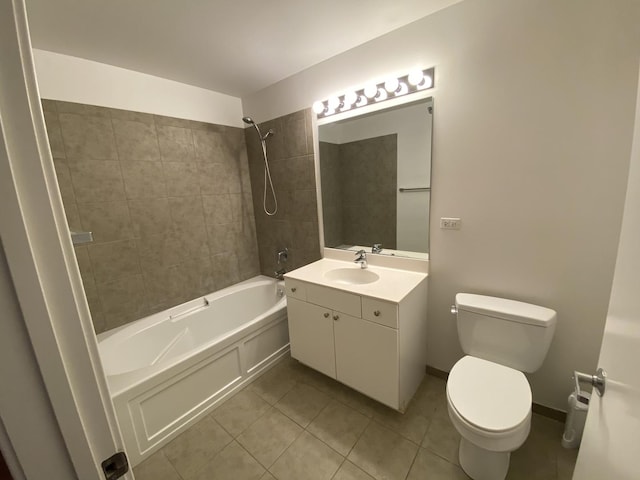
column 43, row 270
column 367, row 358
column 610, row 446
column 311, row 335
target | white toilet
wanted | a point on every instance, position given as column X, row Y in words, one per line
column 488, row 396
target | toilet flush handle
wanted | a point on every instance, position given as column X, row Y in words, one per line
column 454, row 310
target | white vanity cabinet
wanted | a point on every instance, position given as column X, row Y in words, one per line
column 375, row 346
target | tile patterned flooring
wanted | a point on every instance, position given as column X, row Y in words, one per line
column 293, row 423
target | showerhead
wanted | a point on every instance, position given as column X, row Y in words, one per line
column 249, row 121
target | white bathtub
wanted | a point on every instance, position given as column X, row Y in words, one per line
column 168, row 370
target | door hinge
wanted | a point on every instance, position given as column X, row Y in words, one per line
column 115, row 466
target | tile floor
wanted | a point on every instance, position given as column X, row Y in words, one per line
column 294, row 423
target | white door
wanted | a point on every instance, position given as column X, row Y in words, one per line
column 610, row 446
column 44, row 273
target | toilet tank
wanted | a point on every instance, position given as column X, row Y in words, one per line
column 511, row 333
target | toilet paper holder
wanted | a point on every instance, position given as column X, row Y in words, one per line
column 599, row 380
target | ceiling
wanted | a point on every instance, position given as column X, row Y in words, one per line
column 235, row 47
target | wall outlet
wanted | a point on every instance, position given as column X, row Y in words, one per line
column 450, row 223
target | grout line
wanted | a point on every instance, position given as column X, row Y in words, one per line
column 344, row 459
column 171, row 463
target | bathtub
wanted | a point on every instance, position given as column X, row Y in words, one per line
column 168, row 370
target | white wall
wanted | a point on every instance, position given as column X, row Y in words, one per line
column 72, row 79
column 531, row 145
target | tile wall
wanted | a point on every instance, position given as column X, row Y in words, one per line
column 330, row 179
column 295, row 225
column 168, row 201
column 359, row 184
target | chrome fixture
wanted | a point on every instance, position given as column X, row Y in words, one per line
column 599, row 380
column 267, row 172
column 79, row 238
column 414, row 189
column 376, row 92
column 361, row 258
column 283, row 256
column 377, row 248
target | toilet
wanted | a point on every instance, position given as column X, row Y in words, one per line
column 488, row 396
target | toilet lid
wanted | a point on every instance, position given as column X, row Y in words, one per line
column 489, row 395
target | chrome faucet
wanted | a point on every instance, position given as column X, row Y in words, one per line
column 282, row 256
column 361, row 258
column 377, row 248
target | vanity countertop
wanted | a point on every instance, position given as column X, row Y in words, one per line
column 393, row 285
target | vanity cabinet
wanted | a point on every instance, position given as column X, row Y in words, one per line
column 374, row 346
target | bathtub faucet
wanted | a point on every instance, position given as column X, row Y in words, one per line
column 283, row 256
column 280, row 274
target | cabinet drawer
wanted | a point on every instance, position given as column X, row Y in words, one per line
column 379, row 311
column 295, row 289
column 344, row 302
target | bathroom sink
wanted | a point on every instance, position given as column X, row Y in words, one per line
column 351, row 276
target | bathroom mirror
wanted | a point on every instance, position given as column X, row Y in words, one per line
column 375, row 180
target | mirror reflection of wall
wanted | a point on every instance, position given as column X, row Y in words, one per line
column 375, row 179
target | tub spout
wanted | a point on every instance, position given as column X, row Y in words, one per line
column 280, row 274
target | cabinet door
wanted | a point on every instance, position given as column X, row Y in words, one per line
column 367, row 358
column 311, row 336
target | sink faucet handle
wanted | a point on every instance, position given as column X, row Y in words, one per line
column 361, row 258
column 377, row 248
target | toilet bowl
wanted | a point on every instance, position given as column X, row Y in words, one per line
column 488, row 397
column 490, row 406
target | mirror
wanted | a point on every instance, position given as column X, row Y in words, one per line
column 375, row 180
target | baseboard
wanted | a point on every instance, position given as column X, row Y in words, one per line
column 548, row 412
column 434, row 372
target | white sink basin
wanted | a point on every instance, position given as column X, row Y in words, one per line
column 351, row 276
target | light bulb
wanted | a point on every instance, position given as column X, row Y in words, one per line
column 402, row 89
column 415, row 77
column 382, row 95
column 426, row 83
column 350, row 98
column 333, row 103
column 391, row 85
column 318, row 107
column 371, row 90
column 362, row 101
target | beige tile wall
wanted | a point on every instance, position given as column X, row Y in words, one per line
column 331, row 194
column 168, row 201
column 359, row 187
column 369, row 188
column 295, row 226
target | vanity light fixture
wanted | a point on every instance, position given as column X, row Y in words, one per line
column 393, row 87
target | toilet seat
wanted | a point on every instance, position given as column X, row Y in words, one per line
column 488, row 396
